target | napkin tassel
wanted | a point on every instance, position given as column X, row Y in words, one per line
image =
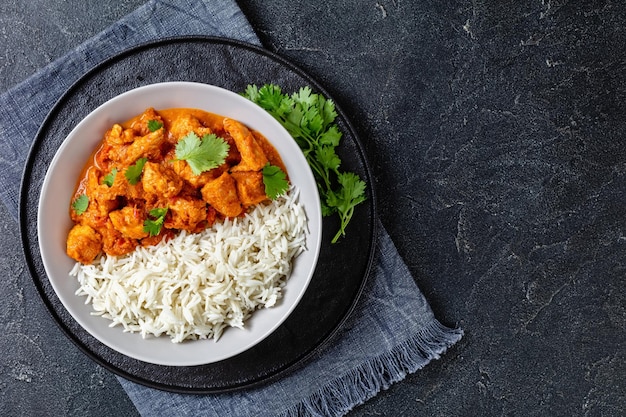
column 363, row 383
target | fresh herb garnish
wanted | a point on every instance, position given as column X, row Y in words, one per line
column 80, row 204
column 109, row 178
column 349, row 195
column 275, row 181
column 154, row 125
column 153, row 225
column 310, row 119
column 202, row 154
column 133, row 172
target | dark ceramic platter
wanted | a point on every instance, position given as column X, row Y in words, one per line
column 342, row 268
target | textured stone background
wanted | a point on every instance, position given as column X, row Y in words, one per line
column 495, row 133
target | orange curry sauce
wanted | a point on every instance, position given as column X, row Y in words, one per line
column 113, row 222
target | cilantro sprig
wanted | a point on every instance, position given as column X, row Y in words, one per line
column 275, row 181
column 80, row 204
column 133, row 172
column 153, row 224
column 154, row 125
column 109, row 178
column 310, row 119
column 202, row 154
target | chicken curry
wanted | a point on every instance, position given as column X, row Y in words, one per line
column 137, row 189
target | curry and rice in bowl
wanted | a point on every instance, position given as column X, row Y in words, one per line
column 191, row 211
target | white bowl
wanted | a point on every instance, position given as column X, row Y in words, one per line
column 54, row 222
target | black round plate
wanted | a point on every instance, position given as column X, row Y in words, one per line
column 342, row 268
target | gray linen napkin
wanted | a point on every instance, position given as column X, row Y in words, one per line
column 392, row 330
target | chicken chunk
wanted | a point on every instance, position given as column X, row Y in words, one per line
column 140, row 126
column 272, row 156
column 161, row 180
column 129, row 222
column 183, row 169
column 250, row 187
column 187, row 214
column 122, row 188
column 83, row 244
column 117, row 136
column 148, row 146
column 186, row 123
column 100, row 202
column 252, row 156
column 221, row 194
column 114, row 243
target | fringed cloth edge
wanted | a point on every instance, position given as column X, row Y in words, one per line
column 354, row 388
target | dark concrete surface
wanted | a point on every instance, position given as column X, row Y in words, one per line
column 495, row 131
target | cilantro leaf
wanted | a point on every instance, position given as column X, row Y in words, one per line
column 133, row 172
column 327, row 157
column 275, row 181
column 331, row 137
column 310, row 119
column 109, row 178
column 80, row 204
column 202, row 154
column 153, row 225
column 328, row 111
column 351, row 193
column 154, row 125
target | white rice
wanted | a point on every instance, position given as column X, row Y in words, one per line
column 196, row 285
